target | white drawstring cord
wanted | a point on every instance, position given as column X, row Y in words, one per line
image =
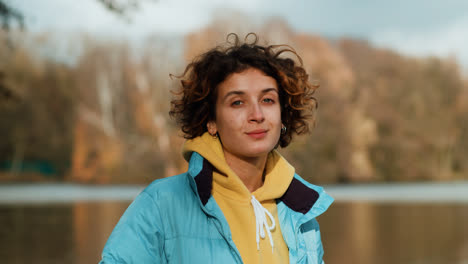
column 261, row 222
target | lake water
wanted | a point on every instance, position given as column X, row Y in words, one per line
column 412, row 224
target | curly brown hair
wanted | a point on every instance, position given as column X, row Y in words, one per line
column 195, row 104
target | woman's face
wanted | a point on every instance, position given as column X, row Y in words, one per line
column 248, row 114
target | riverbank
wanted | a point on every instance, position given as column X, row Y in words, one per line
column 439, row 192
column 66, row 192
column 430, row 192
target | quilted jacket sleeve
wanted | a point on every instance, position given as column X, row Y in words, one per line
column 137, row 237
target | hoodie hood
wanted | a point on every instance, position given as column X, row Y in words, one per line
column 278, row 176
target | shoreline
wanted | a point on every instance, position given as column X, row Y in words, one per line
column 52, row 193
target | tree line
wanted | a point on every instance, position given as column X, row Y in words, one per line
column 102, row 116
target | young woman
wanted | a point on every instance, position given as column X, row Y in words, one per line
column 240, row 201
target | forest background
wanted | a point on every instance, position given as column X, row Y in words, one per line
column 100, row 114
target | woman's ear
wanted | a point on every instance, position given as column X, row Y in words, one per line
column 211, row 126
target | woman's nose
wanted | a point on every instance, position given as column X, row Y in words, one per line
column 256, row 113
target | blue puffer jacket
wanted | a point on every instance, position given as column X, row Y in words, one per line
column 176, row 220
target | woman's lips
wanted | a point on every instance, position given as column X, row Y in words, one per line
column 257, row 134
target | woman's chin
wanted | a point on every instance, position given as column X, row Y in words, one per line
column 258, row 152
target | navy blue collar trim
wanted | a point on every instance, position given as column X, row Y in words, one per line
column 204, row 181
column 298, row 196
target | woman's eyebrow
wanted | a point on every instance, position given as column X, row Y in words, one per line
column 233, row 93
column 264, row 91
column 269, row 90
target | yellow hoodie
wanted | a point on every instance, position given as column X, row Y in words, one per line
column 234, row 199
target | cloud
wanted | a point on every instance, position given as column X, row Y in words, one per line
column 179, row 16
column 164, row 16
column 415, row 28
column 450, row 40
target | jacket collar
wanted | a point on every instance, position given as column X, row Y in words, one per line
column 301, row 196
column 300, row 204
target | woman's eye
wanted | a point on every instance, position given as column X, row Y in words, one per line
column 236, row 103
column 268, row 100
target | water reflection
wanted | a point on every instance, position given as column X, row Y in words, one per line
column 396, row 233
column 357, row 232
column 71, row 233
column 93, row 223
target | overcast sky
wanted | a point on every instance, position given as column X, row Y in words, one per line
column 415, row 27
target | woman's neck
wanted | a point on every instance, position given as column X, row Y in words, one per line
column 249, row 170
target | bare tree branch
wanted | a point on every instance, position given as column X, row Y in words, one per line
column 122, row 7
column 8, row 15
